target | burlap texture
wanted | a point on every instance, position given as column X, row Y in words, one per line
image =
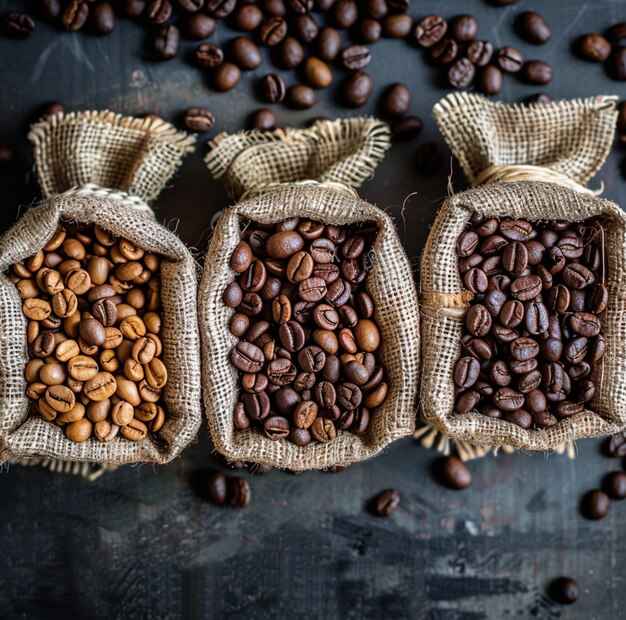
column 84, row 141
column 390, row 283
column 484, row 132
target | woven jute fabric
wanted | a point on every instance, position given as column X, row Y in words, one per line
column 390, row 283
column 478, row 129
column 23, row 435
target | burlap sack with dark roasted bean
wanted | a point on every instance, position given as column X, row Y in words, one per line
column 308, row 174
column 533, row 163
column 102, row 168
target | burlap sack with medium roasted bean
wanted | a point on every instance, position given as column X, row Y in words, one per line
column 309, row 174
column 102, row 168
column 529, row 162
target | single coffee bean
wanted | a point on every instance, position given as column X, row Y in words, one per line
column 344, row 13
column 510, row 59
column 430, row 30
column 396, row 101
column 216, row 486
column 480, row 53
column 532, row 27
column 248, row 17
column 466, row 402
column 209, row 56
column 357, row 89
column 301, row 97
column 368, row 31
column 536, row 72
column 199, row 119
column 273, row 31
column 397, row 26
column 317, row 73
column 564, row 590
column 238, row 492
column 226, row 76
column 328, row 44
column 466, row 372
column 614, row 484
column 355, row 57
column 594, row 47
column 166, row 40
column 595, row 504
column 17, row 25
column 461, row 73
column 464, row 28
column 220, row 8
column 200, row 26
column 244, row 53
column 490, row 80
column 263, row 119
column 386, row 502
column 453, row 473
column 304, row 28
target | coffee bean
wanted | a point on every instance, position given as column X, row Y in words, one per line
column 199, row 119
column 368, row 31
column 273, row 88
column 220, row 8
column 276, row 427
column 453, row 473
column 510, row 59
column 490, row 80
column 536, row 72
column 464, row 28
column 467, row 402
column 226, row 76
column 209, row 56
column 328, row 44
column 480, row 52
column 238, row 492
column 357, row 89
column 247, row 17
column 430, row 30
column 344, row 13
column 564, row 590
column 301, row 97
column 466, row 372
column 304, row 28
column 200, row 26
column 397, row 26
column 75, row 15
column 166, row 41
column 595, row 504
column 461, row 73
column 291, row 53
column 17, row 25
column 614, row 484
column 396, row 101
column 594, row 47
column 216, row 486
column 273, row 31
column 244, row 53
column 263, row 120
column 444, row 52
column 386, row 502
column 533, row 28
column 317, row 73
column 407, row 128
column 355, row 57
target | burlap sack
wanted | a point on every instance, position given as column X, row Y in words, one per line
column 339, row 152
column 563, row 144
column 138, row 156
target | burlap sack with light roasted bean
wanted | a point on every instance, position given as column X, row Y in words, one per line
column 530, row 162
column 310, row 174
column 102, row 168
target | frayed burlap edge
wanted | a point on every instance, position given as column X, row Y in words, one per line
column 390, row 283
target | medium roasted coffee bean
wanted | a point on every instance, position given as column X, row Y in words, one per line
column 430, row 30
column 247, row 357
column 480, row 52
column 357, row 89
column 199, row 119
column 444, row 52
column 323, row 430
column 478, row 320
column 301, row 97
column 510, row 59
column 508, row 399
column 209, row 56
column 226, row 76
column 386, row 502
column 564, row 590
column 533, row 28
column 577, row 276
column 276, row 427
column 461, row 73
column 396, row 101
column 467, row 402
column 526, row 287
column 317, row 73
column 355, row 57
column 463, row 28
column 595, row 504
column 453, row 473
column 17, row 25
column 248, row 17
column 166, row 40
column 536, row 72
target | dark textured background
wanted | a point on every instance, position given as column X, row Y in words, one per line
column 140, row 543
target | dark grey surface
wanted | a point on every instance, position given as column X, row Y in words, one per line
column 140, row 543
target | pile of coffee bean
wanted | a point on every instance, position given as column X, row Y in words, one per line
column 533, row 332
column 471, row 61
column 608, row 49
column 307, row 353
column 234, row 491
column 93, row 306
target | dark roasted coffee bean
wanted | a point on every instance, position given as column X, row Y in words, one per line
column 248, row 17
column 614, row 484
column 355, row 57
column 368, row 31
column 599, row 299
column 357, row 89
column 216, row 486
column 529, row 382
column 245, row 53
column 533, row 28
column 199, row 119
column 480, row 52
column 304, row 28
column 508, row 399
column 291, row 53
column 386, row 502
column 102, row 17
column 479, row 348
column 300, row 7
column 616, row 446
column 510, row 60
column 463, row 28
column 512, row 314
column 536, row 72
column 301, row 97
column 17, row 25
column 490, row 80
column 238, row 491
column 478, row 320
column 264, row 120
column 444, row 52
column 276, row 427
column 328, row 44
column 199, row 26
column 430, row 30
column 209, row 56
column 220, row 8
column 536, row 317
column 577, row 276
column 461, row 73
column 407, row 128
column 466, row 372
column 345, row 13
column 467, row 401
column 76, row 14
column 166, row 41
column 595, row 504
column 273, row 31
column 500, row 374
column 453, row 473
column 526, row 287
column 564, row 590
column 396, row 101
column 397, row 26
column 247, row 357
column 273, row 88
column 376, row 9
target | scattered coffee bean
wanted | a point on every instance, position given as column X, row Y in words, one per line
column 490, row 80
column 209, row 56
column 594, row 47
column 595, row 504
column 616, row 63
column 263, row 119
column 407, row 128
column 328, row 44
column 539, row 72
column 357, row 89
column 614, row 484
column 17, row 25
column 301, row 97
column 480, row 52
column 368, row 31
column 291, row 53
column 397, row 26
column 461, row 73
column 430, row 30
column 317, row 73
column 463, row 28
column 396, row 101
column 533, row 28
column 386, row 502
column 510, row 60
column 166, row 41
column 244, row 53
column 453, row 473
column 564, row 590
column 355, row 57
column 238, row 492
column 200, row 26
column 226, row 76
column 199, row 119
column 248, row 17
